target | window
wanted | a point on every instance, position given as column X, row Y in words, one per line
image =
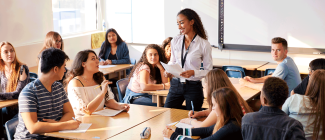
column 74, row 16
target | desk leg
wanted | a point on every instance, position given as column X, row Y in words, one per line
column 124, row 73
column 158, row 101
column 119, row 75
column 1, row 127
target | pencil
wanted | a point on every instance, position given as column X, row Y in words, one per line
column 97, row 87
column 168, row 80
column 175, row 123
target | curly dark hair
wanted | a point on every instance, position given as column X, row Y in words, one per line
column 154, row 71
column 275, row 91
column 106, row 44
column 198, row 26
column 77, row 69
column 165, row 42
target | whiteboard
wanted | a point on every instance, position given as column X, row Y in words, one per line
column 256, row 22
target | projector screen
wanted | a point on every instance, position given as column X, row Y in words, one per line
column 256, row 22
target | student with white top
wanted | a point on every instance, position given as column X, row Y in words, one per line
column 82, row 86
column 189, row 49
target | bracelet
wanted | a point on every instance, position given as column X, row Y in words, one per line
column 163, row 86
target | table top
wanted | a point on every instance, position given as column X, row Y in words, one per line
column 247, row 64
column 106, row 127
column 303, row 69
column 157, row 125
column 7, row 103
column 245, row 92
column 116, row 68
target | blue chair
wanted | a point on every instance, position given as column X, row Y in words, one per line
column 33, row 75
column 10, row 127
column 234, row 71
column 121, row 88
column 133, row 62
column 269, row 72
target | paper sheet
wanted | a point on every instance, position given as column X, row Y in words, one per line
column 83, row 127
column 174, row 69
column 108, row 112
column 106, row 66
column 179, row 125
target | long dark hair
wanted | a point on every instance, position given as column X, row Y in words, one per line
column 316, row 93
column 229, row 106
column 119, row 40
column 154, row 71
column 165, row 42
column 77, row 68
column 197, row 26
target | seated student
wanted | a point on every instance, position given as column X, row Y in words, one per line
column 82, row 85
column 14, row 75
column 113, row 50
column 53, row 39
column 166, row 46
column 214, row 80
column 286, row 69
column 270, row 122
column 309, row 108
column 229, row 112
column 147, row 74
column 313, row 65
column 43, row 104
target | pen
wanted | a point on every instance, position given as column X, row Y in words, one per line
column 168, row 80
column 74, row 118
column 97, row 87
column 192, row 107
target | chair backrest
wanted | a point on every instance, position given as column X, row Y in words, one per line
column 268, row 71
column 33, row 75
column 11, row 128
column 234, row 71
column 121, row 88
column 133, row 61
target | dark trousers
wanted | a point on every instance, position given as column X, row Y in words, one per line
column 189, row 91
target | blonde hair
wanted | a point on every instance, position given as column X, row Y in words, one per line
column 15, row 65
column 50, row 40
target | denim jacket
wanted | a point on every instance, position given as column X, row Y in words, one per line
column 271, row 123
column 122, row 53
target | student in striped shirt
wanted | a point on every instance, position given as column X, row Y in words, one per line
column 43, row 103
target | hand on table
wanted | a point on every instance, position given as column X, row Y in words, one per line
column 124, row 107
column 168, row 131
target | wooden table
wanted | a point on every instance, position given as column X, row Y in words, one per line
column 248, row 94
column 116, row 71
column 157, row 125
column 303, row 69
column 106, row 127
column 5, row 103
column 247, row 64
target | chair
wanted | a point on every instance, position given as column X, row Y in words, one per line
column 269, row 72
column 234, row 71
column 133, row 62
column 33, row 75
column 10, row 127
column 121, row 88
column 31, row 79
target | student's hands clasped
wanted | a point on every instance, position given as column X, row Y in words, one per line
column 106, row 62
column 168, row 131
column 187, row 74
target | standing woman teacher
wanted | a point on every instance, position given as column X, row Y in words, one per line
column 189, row 49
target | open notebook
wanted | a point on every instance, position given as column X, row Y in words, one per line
column 108, row 112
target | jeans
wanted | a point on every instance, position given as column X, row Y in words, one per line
column 138, row 98
column 190, row 91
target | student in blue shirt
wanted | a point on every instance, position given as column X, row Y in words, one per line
column 43, row 104
column 286, row 69
column 113, row 50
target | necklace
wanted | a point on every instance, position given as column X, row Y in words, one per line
column 85, row 80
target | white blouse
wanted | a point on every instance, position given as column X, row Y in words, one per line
column 80, row 97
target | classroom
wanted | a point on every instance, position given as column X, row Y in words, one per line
column 162, row 69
